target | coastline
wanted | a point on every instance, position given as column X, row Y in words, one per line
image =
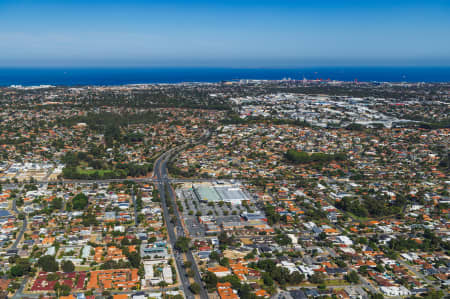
column 84, row 76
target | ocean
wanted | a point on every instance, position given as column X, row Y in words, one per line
column 118, row 76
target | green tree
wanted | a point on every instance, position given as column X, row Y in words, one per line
column 19, row 202
column 214, row 256
column 182, row 244
column 380, row 268
column 283, row 239
column 210, row 280
column 21, row 267
column 434, row 294
column 57, row 203
column 62, row 289
column 246, row 292
column 352, row 277
column 272, row 216
column 296, row 277
column 162, row 284
column 67, row 266
column 225, row 262
column 233, row 279
column 268, row 281
column 80, row 201
column 16, row 271
column 195, row 288
column 135, row 259
column 376, row 296
column 48, row 263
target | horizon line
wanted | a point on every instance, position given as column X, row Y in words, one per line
column 223, row 66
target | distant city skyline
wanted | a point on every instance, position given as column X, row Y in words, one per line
column 223, row 33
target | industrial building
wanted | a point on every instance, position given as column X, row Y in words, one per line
column 216, row 193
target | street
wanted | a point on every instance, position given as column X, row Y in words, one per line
column 160, row 171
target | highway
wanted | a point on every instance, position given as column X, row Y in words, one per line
column 160, row 171
column 162, row 180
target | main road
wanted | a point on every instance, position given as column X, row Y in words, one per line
column 160, row 171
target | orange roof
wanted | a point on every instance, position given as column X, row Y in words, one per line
column 262, row 293
column 114, row 278
column 224, row 284
column 321, row 269
column 328, row 265
column 218, row 269
column 48, row 240
column 225, row 291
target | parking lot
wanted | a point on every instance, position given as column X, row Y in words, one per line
column 193, row 207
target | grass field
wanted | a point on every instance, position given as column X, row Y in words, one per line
column 336, row 282
column 100, row 172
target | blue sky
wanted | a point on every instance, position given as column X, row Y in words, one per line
column 224, row 33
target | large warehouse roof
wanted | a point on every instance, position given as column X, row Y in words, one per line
column 230, row 193
column 206, row 193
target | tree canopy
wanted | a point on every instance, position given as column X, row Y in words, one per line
column 48, row 263
column 67, row 266
column 299, row 157
column 80, row 201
